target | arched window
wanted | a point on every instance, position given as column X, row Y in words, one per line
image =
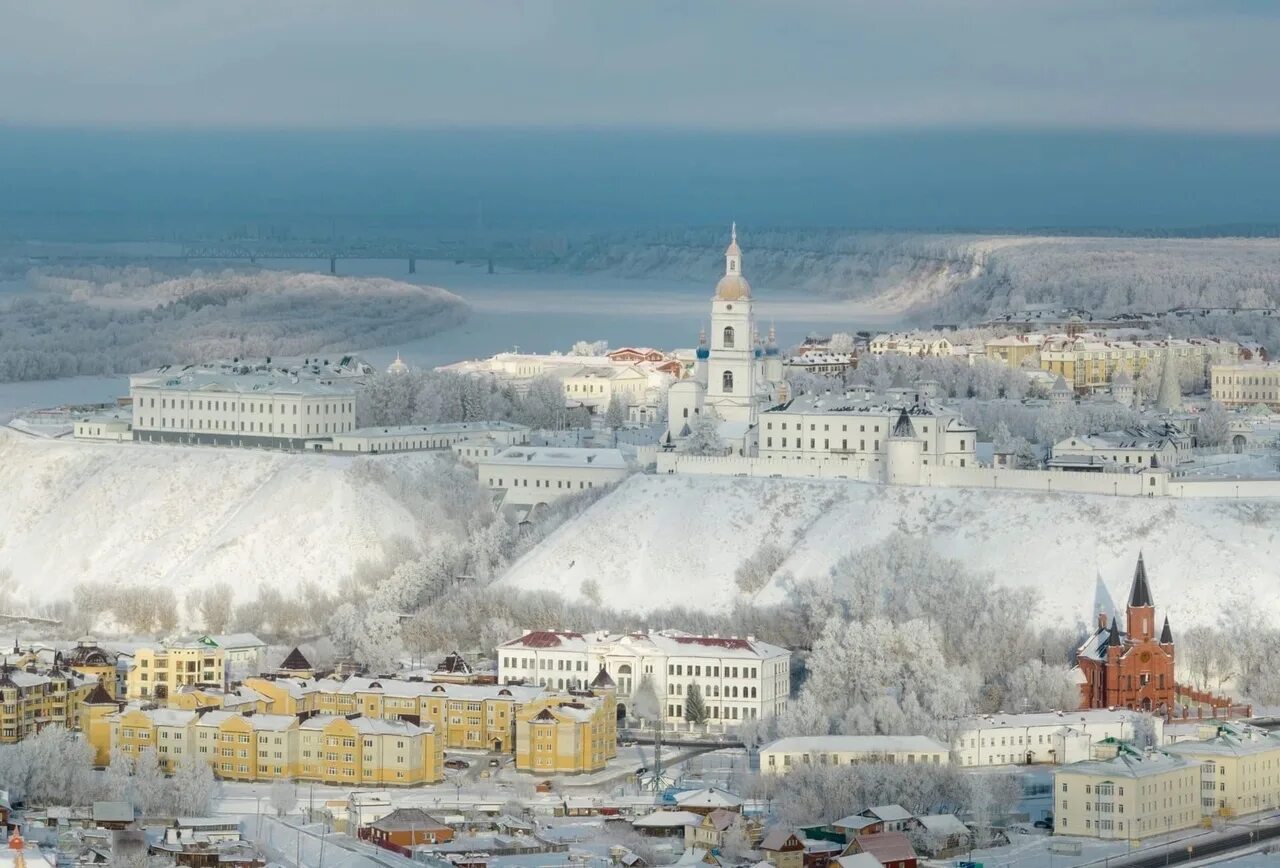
column 728, row 336
column 727, row 381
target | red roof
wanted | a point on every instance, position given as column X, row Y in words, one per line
column 543, row 639
column 715, row 641
column 887, row 846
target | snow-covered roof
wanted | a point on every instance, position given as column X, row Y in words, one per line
column 858, row 860
column 889, row 813
column 943, row 824
column 559, row 456
column 1232, row 739
column 259, row 722
column 1072, row 717
column 667, row 820
column 711, row 797
column 238, row 641
column 367, row 725
column 672, row 643
column 856, row 744
column 249, row 384
column 1130, row 763
column 442, row 429
column 478, row 692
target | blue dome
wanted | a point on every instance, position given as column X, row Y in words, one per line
column 771, row 350
column 759, row 352
column 704, row 353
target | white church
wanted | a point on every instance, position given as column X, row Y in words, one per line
column 737, row 374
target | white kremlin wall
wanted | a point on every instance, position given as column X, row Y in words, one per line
column 1149, row 483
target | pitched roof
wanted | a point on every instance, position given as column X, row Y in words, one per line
column 888, row 813
column 406, row 820
column 1140, row 593
column 100, row 696
column 603, row 680
column 779, row 838
column 296, row 661
column 887, row 846
column 454, row 664
column 903, row 427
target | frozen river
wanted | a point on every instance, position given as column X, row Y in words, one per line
column 534, row 311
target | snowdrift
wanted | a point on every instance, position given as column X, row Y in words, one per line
column 184, row 516
column 677, row 540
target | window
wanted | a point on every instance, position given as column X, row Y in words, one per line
column 727, row 381
column 728, row 336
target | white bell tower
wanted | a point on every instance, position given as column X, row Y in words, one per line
column 731, row 368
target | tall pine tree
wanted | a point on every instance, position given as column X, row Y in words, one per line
column 695, row 710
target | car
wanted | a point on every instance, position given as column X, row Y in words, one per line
column 628, row 743
column 457, row 764
column 494, row 763
column 1046, row 823
column 643, row 770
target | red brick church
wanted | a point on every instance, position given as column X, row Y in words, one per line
column 1131, row 668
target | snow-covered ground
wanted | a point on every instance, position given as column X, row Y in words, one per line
column 667, row 540
column 187, row 516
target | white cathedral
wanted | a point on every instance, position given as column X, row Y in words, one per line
column 737, row 374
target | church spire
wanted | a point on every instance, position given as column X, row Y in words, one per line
column 1166, row 635
column 733, row 253
column 1140, row 593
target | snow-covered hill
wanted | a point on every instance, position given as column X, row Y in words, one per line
column 668, row 540
column 184, row 517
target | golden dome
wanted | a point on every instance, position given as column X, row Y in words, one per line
column 733, row 287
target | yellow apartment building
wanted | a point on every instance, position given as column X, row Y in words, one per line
column 158, row 673
column 567, row 737
column 1132, row 795
column 1245, row 384
column 1239, row 768
column 31, row 700
column 1089, row 362
column 366, row 752
column 267, row 747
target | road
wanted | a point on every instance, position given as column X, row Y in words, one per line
column 1195, row 849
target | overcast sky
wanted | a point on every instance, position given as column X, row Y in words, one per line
column 841, row 64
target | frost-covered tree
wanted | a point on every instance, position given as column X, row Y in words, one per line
column 842, row 342
column 756, row 571
column 544, row 406
column 213, row 606
column 193, row 786
column 615, row 416
column 695, row 708
column 284, row 797
column 644, row 702
column 1213, row 425
column 704, row 437
column 1037, row 686
column 52, row 767
column 150, row 790
column 589, row 348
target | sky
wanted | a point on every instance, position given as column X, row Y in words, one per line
column 843, row 65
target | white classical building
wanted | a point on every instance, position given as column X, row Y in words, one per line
column 909, row 345
column 413, row 438
column 852, row 430
column 241, row 410
column 532, row 475
column 782, row 755
column 741, row 678
column 736, row 373
column 1052, row 737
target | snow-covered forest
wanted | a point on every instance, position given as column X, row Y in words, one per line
column 962, row 277
column 96, row 319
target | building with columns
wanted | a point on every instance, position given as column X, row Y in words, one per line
column 740, row 678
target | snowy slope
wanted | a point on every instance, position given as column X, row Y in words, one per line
column 122, row 513
column 668, row 540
